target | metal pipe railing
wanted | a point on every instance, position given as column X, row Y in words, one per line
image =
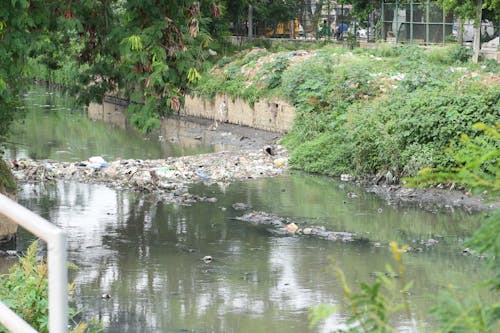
column 57, row 275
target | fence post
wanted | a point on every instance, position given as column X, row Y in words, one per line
column 427, row 22
column 411, row 21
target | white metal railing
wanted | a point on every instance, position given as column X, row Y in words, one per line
column 58, row 272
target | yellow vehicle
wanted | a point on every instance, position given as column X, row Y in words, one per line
column 284, row 29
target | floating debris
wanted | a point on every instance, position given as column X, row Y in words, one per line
column 283, row 226
column 207, row 259
column 169, row 178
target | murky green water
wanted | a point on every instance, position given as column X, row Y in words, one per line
column 54, row 128
column 147, row 255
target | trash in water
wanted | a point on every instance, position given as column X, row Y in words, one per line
column 292, row 227
column 207, row 259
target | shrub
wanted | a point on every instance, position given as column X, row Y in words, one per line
column 25, row 290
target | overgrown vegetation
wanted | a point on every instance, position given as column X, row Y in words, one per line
column 367, row 112
column 25, row 291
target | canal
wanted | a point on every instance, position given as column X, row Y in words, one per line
column 147, row 255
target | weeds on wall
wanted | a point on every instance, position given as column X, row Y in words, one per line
column 366, row 112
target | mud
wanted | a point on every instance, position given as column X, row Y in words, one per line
column 433, row 199
column 284, row 226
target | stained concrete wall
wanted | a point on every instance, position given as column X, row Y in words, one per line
column 108, row 112
column 271, row 115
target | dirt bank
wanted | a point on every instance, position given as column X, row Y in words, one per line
column 432, row 198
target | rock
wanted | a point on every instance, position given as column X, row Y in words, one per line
column 429, row 242
column 263, row 218
column 307, row 231
column 241, row 206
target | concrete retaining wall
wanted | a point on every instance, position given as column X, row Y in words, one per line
column 108, row 112
column 272, row 115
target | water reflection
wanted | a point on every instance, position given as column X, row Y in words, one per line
column 54, row 128
column 147, row 255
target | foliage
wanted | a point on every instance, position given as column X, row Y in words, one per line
column 244, row 76
column 400, row 117
column 477, row 162
column 459, row 315
column 148, row 52
column 370, row 308
column 367, row 112
column 466, row 9
column 25, row 291
column 487, row 240
column 16, row 20
column 449, row 55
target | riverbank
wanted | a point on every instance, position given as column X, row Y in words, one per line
column 390, row 110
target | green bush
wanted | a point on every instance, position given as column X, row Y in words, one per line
column 25, row 291
column 409, row 128
column 370, row 111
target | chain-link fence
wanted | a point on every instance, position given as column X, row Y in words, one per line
column 398, row 21
column 313, row 20
column 424, row 22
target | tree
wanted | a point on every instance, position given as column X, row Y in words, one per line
column 472, row 9
column 146, row 51
column 23, row 29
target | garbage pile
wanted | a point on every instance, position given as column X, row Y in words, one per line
column 169, row 177
column 284, row 226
